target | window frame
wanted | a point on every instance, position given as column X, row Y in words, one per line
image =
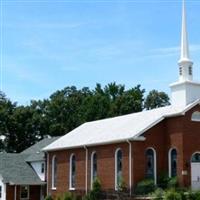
column 116, row 167
column 195, row 116
column 70, row 172
column 43, row 167
column 190, row 70
column 170, row 161
column 155, row 163
column 53, row 174
column 28, row 192
column 92, row 178
column 195, row 153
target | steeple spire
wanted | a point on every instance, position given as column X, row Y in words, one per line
column 185, row 64
column 184, row 37
column 184, row 91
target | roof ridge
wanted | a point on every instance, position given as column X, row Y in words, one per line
column 134, row 113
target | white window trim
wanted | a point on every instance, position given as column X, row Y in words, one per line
column 155, row 164
column 53, row 173
column 170, row 161
column 92, row 167
column 28, row 191
column 116, row 185
column 70, row 172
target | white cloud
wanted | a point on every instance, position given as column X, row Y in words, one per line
column 47, row 25
column 171, row 51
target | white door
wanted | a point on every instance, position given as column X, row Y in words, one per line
column 195, row 172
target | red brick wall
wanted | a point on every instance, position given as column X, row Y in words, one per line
column 175, row 128
column 106, row 164
column 63, row 159
column 177, row 132
column 33, row 195
column 105, row 167
column 155, row 138
column 191, row 142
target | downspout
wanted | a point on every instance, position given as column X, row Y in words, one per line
column 15, row 195
column 86, row 169
column 130, row 166
column 5, row 185
column 47, row 173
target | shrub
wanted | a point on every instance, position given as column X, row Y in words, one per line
column 58, row 198
column 91, row 196
column 96, row 185
column 68, row 196
column 122, row 185
column 197, row 195
column 172, row 195
column 163, row 180
column 194, row 195
column 87, row 197
column 49, row 197
column 183, row 195
column 183, row 192
column 173, row 182
column 145, row 187
column 65, row 196
column 158, row 194
column 95, row 192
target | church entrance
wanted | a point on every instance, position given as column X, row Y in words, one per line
column 195, row 171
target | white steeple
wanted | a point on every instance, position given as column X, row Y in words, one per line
column 185, row 90
column 185, row 64
column 184, row 36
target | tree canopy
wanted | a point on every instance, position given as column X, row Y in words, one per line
column 156, row 99
column 64, row 110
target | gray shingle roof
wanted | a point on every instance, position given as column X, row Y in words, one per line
column 15, row 170
column 35, row 152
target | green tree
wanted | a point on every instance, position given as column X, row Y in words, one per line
column 66, row 109
column 156, row 99
column 6, row 111
column 21, row 129
column 129, row 101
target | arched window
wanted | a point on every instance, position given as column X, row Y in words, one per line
column 54, row 172
column 118, row 168
column 172, row 163
column 151, row 164
column 93, row 167
column 72, row 172
column 195, row 116
column 196, row 158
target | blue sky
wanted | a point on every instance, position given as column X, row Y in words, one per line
column 50, row 44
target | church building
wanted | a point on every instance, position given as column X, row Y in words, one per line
column 135, row 146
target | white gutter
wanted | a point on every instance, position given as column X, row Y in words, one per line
column 15, row 194
column 86, row 169
column 47, row 174
column 130, row 166
column 5, row 190
column 141, row 138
